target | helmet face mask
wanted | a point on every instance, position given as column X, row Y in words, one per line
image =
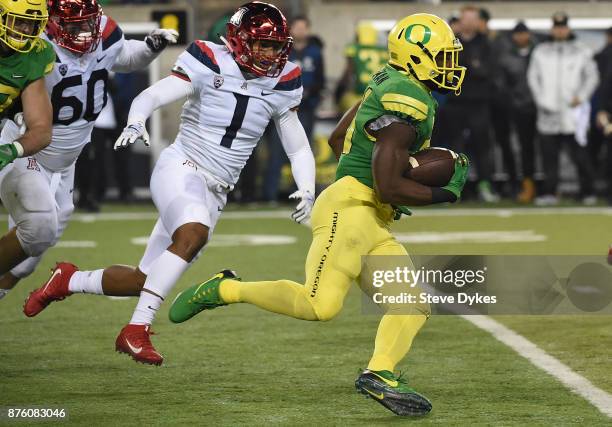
column 75, row 24
column 448, row 74
column 425, row 46
column 266, row 56
column 258, row 37
column 21, row 22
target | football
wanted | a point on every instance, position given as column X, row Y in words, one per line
column 433, row 166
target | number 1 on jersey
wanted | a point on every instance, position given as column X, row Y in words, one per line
column 239, row 112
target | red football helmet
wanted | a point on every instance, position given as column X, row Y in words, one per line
column 75, row 24
column 258, row 37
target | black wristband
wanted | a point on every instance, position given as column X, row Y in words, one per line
column 442, row 195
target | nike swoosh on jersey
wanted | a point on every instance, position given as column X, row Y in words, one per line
column 100, row 59
column 135, row 350
column 18, row 76
column 266, row 93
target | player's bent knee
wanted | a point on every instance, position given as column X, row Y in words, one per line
column 188, row 240
column 37, row 232
column 326, row 311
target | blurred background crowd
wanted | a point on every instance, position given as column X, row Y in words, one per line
column 534, row 114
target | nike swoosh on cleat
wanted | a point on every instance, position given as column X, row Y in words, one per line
column 388, row 382
column 380, row 396
column 216, row 276
column 135, row 350
column 55, row 273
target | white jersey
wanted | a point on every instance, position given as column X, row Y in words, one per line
column 77, row 87
column 224, row 119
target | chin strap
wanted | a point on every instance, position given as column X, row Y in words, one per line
column 226, row 43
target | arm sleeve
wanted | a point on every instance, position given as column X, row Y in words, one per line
column 161, row 93
column 295, row 144
column 134, row 55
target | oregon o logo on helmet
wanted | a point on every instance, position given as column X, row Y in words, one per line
column 425, row 36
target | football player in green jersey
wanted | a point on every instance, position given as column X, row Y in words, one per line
column 352, row 217
column 363, row 58
column 24, row 61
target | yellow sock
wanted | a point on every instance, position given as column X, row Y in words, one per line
column 281, row 296
column 393, row 340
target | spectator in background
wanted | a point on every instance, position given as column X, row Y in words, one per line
column 604, row 113
column 307, row 52
column 363, row 59
column 513, row 65
column 598, row 140
column 218, row 27
column 468, row 115
column 562, row 76
column 453, row 22
column 92, row 167
column 500, row 109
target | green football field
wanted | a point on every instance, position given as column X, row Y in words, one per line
column 240, row 366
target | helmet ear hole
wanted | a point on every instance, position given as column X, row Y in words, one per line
column 415, row 59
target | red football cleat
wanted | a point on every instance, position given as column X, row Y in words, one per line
column 56, row 289
column 134, row 340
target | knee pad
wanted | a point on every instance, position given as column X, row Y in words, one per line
column 37, row 232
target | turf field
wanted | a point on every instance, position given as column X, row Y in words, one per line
column 238, row 365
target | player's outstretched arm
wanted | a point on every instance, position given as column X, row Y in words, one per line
column 389, row 161
column 295, row 144
column 164, row 92
column 336, row 139
column 136, row 54
column 37, row 115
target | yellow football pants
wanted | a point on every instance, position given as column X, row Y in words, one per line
column 348, row 221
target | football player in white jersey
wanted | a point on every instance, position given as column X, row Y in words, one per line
column 233, row 91
column 37, row 189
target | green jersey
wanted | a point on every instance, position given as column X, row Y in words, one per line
column 390, row 93
column 367, row 60
column 19, row 70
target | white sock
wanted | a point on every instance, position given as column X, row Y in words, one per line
column 86, row 282
column 3, row 292
column 166, row 271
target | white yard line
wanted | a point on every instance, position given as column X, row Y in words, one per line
column 599, row 398
column 482, row 236
column 418, row 213
column 76, row 244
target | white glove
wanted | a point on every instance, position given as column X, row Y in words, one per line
column 304, row 207
column 131, row 134
column 158, row 39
